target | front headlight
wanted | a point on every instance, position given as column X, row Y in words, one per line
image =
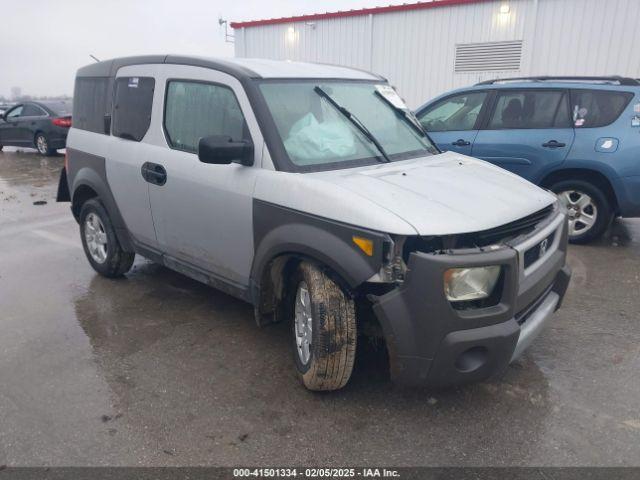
column 463, row 284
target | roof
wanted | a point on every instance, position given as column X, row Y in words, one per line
column 354, row 13
column 608, row 80
column 47, row 103
column 287, row 69
column 237, row 67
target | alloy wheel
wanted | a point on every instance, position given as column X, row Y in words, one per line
column 41, row 144
column 96, row 238
column 303, row 323
column 582, row 211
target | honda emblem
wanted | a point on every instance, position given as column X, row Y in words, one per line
column 544, row 244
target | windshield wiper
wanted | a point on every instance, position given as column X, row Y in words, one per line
column 406, row 116
column 413, row 122
column 353, row 119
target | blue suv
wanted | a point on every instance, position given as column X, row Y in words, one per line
column 577, row 136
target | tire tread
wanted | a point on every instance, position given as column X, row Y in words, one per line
column 334, row 356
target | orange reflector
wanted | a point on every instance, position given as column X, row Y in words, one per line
column 365, row 245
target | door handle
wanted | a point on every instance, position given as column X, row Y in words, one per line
column 154, row 173
column 554, row 144
column 461, row 143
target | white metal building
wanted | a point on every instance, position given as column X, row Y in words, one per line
column 427, row 48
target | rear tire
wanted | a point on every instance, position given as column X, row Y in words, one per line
column 321, row 311
column 590, row 212
column 42, row 145
column 100, row 243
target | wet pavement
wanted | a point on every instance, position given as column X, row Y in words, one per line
column 157, row 369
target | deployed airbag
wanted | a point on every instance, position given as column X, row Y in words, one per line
column 310, row 141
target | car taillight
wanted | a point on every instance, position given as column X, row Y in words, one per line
column 62, row 122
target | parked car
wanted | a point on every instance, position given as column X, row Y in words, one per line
column 40, row 125
column 577, row 136
column 312, row 192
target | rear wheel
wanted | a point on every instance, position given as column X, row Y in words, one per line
column 42, row 145
column 100, row 243
column 589, row 210
column 323, row 330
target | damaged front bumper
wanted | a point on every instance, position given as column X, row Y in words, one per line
column 431, row 343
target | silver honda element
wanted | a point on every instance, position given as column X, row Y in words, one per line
column 311, row 192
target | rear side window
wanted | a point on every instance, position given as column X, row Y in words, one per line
column 194, row 110
column 91, row 102
column 458, row 112
column 597, row 108
column 32, row 111
column 530, row 109
column 133, row 100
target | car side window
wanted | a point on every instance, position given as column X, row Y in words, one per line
column 92, row 101
column 16, row 112
column 527, row 109
column 133, row 100
column 597, row 108
column 32, row 111
column 194, row 110
column 459, row 112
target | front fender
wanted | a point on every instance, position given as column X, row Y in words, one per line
column 279, row 230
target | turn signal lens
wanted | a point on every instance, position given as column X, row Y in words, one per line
column 364, row 244
column 464, row 284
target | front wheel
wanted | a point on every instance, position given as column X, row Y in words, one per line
column 323, row 329
column 42, row 145
column 100, row 243
column 589, row 210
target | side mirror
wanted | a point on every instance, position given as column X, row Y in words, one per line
column 222, row 150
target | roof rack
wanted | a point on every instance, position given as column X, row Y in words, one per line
column 611, row 79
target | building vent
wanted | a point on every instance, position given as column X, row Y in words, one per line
column 490, row 56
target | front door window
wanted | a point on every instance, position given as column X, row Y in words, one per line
column 457, row 113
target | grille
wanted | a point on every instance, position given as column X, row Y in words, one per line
column 508, row 231
column 489, row 56
column 534, row 254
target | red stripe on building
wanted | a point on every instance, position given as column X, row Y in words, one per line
column 355, row 13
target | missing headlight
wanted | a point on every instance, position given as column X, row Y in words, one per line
column 394, row 268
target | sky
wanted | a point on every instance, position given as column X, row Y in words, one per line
column 43, row 60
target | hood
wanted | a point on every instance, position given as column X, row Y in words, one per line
column 444, row 194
